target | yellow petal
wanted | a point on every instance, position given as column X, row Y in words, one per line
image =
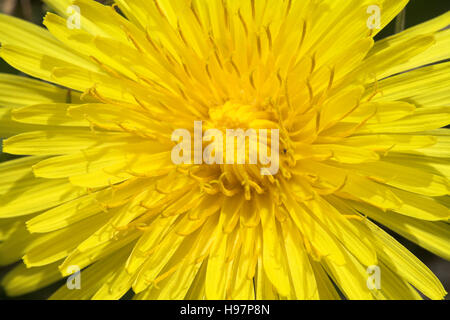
column 406, row 265
column 381, row 112
column 22, row 194
column 405, row 177
column 36, row 39
column 19, row 91
column 422, row 120
column 96, row 159
column 325, row 287
column 424, row 87
column 84, row 207
column 51, row 114
column 421, row 207
column 324, row 243
column 93, row 277
column 351, row 278
column 59, row 244
column 60, row 142
column 302, row 274
column 433, row 236
column 353, row 239
column 389, row 142
column 273, row 266
column 394, row 287
column 22, row 280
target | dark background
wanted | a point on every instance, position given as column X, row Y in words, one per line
column 417, row 11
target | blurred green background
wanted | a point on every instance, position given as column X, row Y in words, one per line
column 416, row 12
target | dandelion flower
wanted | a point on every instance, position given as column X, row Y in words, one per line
column 362, row 144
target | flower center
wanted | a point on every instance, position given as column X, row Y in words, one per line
column 239, row 116
column 254, row 150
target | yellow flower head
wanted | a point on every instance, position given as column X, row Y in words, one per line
column 360, row 141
